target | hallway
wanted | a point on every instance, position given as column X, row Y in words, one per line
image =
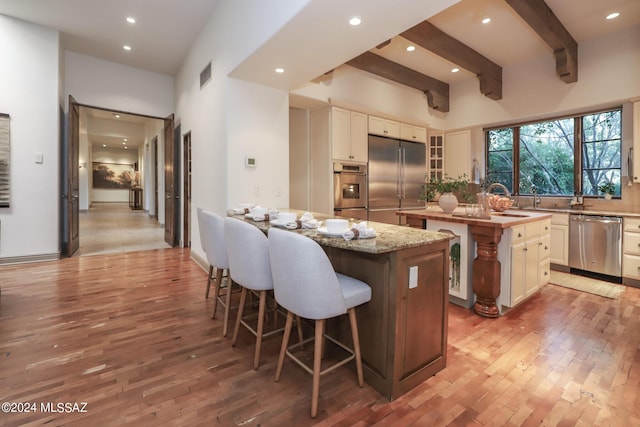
column 114, row 227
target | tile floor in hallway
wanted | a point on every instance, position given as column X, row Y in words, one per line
column 114, row 227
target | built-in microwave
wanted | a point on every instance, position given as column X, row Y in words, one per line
column 349, row 186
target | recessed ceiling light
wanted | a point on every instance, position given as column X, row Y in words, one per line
column 125, row 148
column 355, row 21
column 455, row 70
column 131, row 20
column 279, row 70
column 411, row 48
column 117, row 116
column 125, row 139
column 104, row 145
column 613, row 15
column 124, row 143
column 126, row 47
column 486, row 20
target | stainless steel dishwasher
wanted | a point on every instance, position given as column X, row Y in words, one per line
column 595, row 244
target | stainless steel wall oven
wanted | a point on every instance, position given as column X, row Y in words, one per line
column 350, row 190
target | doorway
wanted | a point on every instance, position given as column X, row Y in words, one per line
column 123, row 148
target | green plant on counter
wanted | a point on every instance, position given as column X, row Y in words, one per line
column 607, row 188
column 435, row 186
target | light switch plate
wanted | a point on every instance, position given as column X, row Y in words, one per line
column 39, row 158
column 413, row 277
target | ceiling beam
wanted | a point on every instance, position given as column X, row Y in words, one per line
column 431, row 38
column 543, row 21
column 437, row 92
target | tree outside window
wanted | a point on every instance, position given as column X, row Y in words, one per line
column 546, row 154
column 601, row 151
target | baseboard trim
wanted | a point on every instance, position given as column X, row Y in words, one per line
column 200, row 261
column 634, row 283
column 29, row 258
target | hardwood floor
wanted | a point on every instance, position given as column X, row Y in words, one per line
column 130, row 334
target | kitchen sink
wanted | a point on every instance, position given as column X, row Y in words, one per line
column 511, row 215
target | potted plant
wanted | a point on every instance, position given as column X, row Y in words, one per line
column 608, row 189
column 446, row 191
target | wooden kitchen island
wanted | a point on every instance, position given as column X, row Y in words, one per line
column 403, row 329
column 505, row 270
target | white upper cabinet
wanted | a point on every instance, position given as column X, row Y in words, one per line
column 413, row 133
column 384, row 127
column 457, row 153
column 348, row 135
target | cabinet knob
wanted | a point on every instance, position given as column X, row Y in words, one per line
column 546, row 248
column 519, row 234
column 386, row 131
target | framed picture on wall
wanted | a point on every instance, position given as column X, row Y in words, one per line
column 5, row 156
column 116, row 176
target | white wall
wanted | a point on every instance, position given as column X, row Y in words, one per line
column 298, row 159
column 29, row 83
column 374, row 94
column 99, row 83
column 607, row 75
column 229, row 119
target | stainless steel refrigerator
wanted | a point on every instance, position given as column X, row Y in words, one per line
column 395, row 177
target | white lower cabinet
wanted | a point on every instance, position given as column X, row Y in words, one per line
column 631, row 249
column 560, row 239
column 524, row 254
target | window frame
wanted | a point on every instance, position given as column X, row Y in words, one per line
column 577, row 149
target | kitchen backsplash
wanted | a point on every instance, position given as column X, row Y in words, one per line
column 629, row 202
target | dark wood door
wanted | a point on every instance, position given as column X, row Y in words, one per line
column 72, row 194
column 171, row 195
column 186, row 192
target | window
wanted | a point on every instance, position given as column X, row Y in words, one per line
column 559, row 157
column 601, row 151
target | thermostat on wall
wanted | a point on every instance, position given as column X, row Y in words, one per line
column 250, row 162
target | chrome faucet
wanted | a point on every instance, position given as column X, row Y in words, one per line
column 536, row 198
column 500, row 186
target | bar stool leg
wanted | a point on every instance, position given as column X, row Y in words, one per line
column 236, row 329
column 300, row 336
column 209, row 278
column 285, row 344
column 356, row 345
column 227, row 308
column 261, row 310
column 317, row 363
column 216, row 290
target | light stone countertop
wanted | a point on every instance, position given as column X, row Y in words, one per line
column 389, row 238
column 505, row 219
column 585, row 210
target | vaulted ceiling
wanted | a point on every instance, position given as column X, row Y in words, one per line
column 445, row 33
column 536, row 15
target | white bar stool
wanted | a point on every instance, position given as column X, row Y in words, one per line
column 212, row 238
column 249, row 267
column 306, row 284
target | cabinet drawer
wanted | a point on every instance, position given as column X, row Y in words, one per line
column 632, row 225
column 518, row 234
column 545, row 227
column 631, row 243
column 631, row 266
column 559, row 219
